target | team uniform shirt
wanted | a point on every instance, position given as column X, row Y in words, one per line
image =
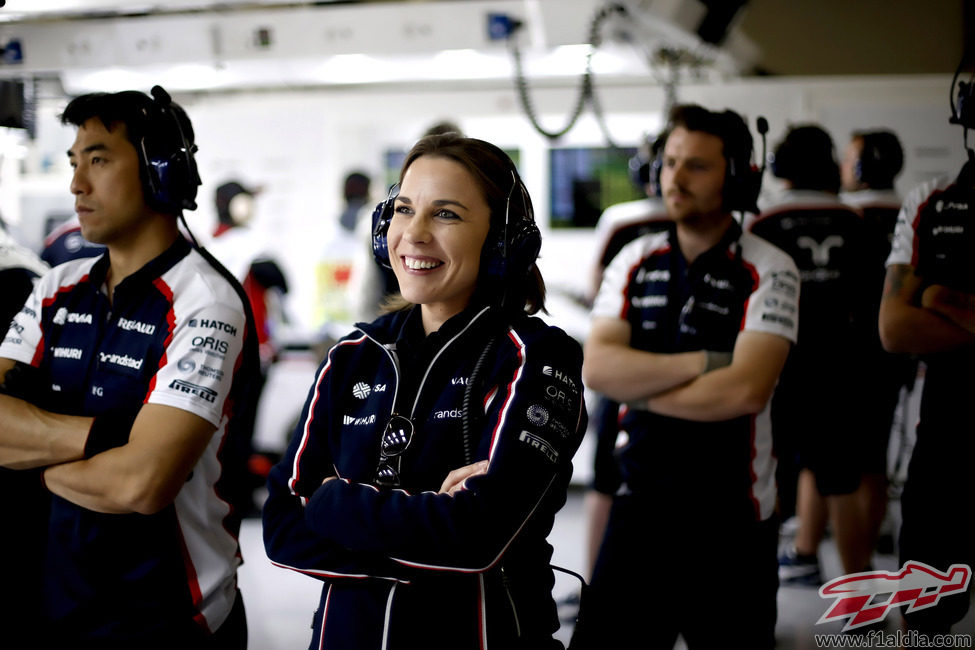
column 174, row 335
column 741, row 284
column 27, row 503
column 832, row 361
column 879, row 207
column 408, row 567
column 936, row 235
column 826, row 239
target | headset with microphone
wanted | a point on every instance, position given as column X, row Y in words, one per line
column 169, row 172
column 743, row 180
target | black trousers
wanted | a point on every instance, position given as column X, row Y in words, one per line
column 938, row 489
column 654, row 579
column 231, row 635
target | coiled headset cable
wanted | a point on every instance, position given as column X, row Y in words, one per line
column 587, row 94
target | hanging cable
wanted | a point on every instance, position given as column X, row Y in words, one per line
column 586, row 88
column 471, row 418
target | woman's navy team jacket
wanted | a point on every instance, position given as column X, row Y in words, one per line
column 173, row 335
column 410, row 568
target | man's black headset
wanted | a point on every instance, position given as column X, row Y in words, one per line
column 511, row 249
column 743, row 180
column 167, row 167
column 645, row 166
column 963, row 113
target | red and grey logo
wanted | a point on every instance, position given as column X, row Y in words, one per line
column 866, row 598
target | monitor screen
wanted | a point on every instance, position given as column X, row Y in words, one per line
column 587, row 180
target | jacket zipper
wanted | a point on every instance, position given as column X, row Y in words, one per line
column 419, row 390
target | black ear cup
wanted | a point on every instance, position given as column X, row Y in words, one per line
column 743, row 180
column 639, row 169
column 653, row 177
column 644, row 167
column 171, row 177
column 381, row 217
column 523, row 248
column 743, row 183
column 516, row 247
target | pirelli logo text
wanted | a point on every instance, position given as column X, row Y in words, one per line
column 192, row 389
column 541, row 445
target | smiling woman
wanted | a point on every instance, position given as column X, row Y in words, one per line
column 436, row 443
column 440, row 222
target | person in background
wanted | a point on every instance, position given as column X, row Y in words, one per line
column 242, row 251
column 691, row 328
column 928, row 310
column 622, row 223
column 617, row 226
column 369, row 284
column 435, row 446
column 822, row 450
column 355, row 191
column 28, row 503
column 871, row 163
column 443, row 127
column 19, row 269
column 65, row 243
column 123, row 374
